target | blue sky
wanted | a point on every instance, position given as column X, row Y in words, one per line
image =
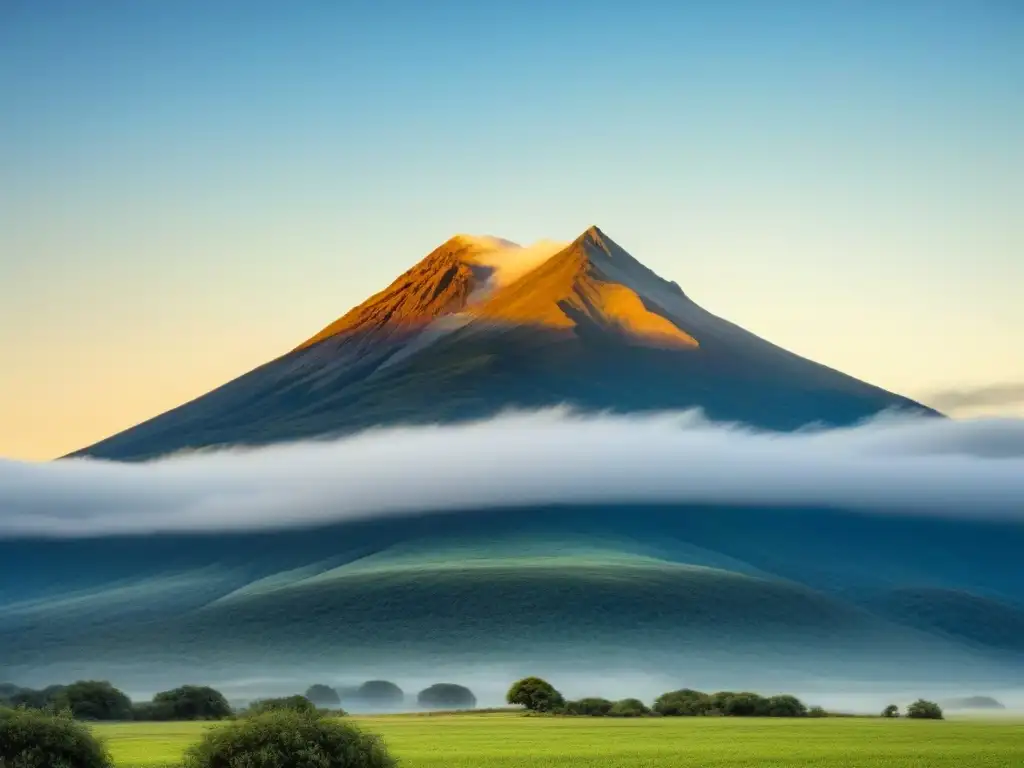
column 191, row 188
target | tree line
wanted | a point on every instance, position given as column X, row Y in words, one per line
column 99, row 700
column 537, row 695
column 305, row 731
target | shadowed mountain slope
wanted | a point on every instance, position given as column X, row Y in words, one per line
column 481, row 325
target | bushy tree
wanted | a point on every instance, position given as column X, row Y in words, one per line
column 282, row 704
column 784, row 706
column 535, row 694
column 591, row 706
column 36, row 739
column 739, row 704
column 192, row 702
column 629, row 708
column 817, row 711
column 94, row 700
column 891, row 711
column 288, row 739
column 685, row 702
column 323, row 696
column 446, row 696
column 924, row 710
column 381, row 693
column 47, row 698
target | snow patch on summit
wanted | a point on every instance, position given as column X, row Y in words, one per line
column 503, row 262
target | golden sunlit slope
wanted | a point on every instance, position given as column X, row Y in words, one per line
column 572, row 287
column 548, row 284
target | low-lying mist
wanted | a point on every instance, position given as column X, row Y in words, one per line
column 894, row 463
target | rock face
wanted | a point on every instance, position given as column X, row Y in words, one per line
column 481, row 325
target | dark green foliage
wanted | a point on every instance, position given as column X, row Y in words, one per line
column 629, row 708
column 149, row 711
column 381, row 693
column 743, row 704
column 535, row 695
column 593, row 707
column 94, row 700
column 288, row 739
column 191, row 702
column 924, row 710
column 47, row 698
column 323, row 696
column 685, row 702
column 446, row 696
column 891, row 711
column 817, row 711
column 784, row 706
column 282, row 704
column 34, row 739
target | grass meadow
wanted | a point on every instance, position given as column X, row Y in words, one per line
column 514, row 741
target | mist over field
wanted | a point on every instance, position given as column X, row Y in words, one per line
column 616, row 555
column 919, row 465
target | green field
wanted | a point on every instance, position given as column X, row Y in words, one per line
column 512, row 741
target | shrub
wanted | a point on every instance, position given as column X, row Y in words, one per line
column 592, row 707
column 629, row 708
column 47, row 698
column 891, row 711
column 381, row 693
column 446, row 696
column 288, row 739
column 148, row 711
column 784, row 706
column 94, row 700
column 35, row 739
column 924, row 710
column 817, row 712
column 739, row 704
column 685, row 702
column 535, row 695
column 324, row 696
column 282, row 704
column 192, row 702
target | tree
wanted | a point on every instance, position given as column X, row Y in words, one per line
column 324, row 696
column 282, row 704
column 891, row 711
column 924, row 710
column 35, row 739
column 685, row 702
column 817, row 711
column 94, row 700
column 446, row 696
column 629, row 708
column 784, row 706
column 739, row 704
column 289, row 739
column 193, row 702
column 535, row 695
column 381, row 693
column 592, row 707
column 47, row 698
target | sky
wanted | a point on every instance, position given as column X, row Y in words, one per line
column 190, row 189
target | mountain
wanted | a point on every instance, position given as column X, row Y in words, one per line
column 481, row 325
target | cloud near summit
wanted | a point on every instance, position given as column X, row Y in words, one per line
column 893, row 464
